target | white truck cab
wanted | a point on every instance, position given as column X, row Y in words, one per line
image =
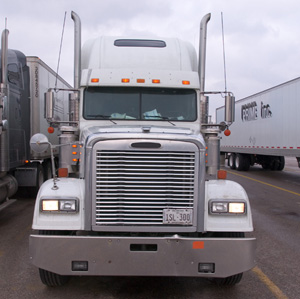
column 138, row 190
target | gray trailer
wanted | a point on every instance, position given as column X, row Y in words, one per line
column 266, row 129
column 24, row 80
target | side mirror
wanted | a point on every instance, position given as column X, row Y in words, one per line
column 229, row 108
column 49, row 105
column 39, row 143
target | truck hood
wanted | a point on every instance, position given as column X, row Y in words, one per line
column 135, row 130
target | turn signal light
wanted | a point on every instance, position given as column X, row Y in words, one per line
column 222, row 174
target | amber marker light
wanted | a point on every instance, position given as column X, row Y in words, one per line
column 62, row 172
column 198, row 245
column 50, row 130
column 125, row 80
column 156, row 81
column 185, row 82
column 222, row 174
column 140, row 80
column 227, row 132
column 95, row 80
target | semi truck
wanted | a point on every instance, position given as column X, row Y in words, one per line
column 266, row 129
column 139, row 191
column 24, row 80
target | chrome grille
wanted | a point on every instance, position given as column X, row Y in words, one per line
column 134, row 187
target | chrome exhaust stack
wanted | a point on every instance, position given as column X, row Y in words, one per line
column 201, row 68
column 4, row 50
column 77, row 49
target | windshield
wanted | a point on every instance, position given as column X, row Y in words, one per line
column 140, row 104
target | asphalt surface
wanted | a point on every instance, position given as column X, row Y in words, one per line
column 275, row 202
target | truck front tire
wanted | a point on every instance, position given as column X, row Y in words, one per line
column 48, row 278
column 234, row 279
column 228, row 281
column 52, row 279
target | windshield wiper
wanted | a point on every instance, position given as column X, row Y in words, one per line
column 96, row 116
column 167, row 118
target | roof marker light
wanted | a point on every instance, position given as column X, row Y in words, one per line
column 156, row 81
column 140, row 80
column 125, row 80
column 186, row 82
column 95, row 80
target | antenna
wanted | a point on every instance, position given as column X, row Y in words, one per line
column 61, row 41
column 224, row 52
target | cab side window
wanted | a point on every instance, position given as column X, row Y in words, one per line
column 14, row 75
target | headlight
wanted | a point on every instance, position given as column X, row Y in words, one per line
column 237, row 207
column 49, row 205
column 69, row 205
column 227, row 207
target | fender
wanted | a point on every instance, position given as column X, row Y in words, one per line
column 226, row 190
column 67, row 188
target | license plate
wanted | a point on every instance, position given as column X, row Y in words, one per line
column 178, row 216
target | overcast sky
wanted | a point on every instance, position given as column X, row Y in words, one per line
column 261, row 36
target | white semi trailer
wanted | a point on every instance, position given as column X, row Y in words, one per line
column 24, row 80
column 266, row 128
column 138, row 190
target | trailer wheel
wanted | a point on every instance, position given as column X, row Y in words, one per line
column 281, row 163
column 231, row 161
column 242, row 162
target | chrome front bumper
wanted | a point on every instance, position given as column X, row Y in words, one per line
column 142, row 256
